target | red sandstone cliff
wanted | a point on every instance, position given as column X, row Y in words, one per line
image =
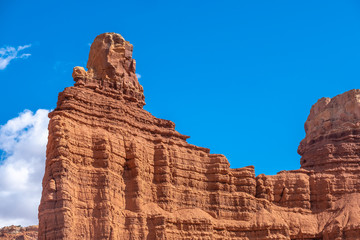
column 114, row 171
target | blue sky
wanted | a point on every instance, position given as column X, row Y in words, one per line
column 239, row 77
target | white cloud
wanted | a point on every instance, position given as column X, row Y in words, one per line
column 9, row 53
column 23, row 47
column 23, row 142
column 138, row 75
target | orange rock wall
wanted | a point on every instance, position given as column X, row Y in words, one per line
column 114, row 171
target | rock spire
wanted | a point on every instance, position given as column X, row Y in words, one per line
column 111, row 67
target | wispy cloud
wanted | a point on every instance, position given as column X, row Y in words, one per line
column 10, row 53
column 138, row 75
column 23, row 143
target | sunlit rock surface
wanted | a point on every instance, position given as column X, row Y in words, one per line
column 114, row 171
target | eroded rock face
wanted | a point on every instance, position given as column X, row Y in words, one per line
column 114, row 171
column 332, row 133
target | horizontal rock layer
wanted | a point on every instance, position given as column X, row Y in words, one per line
column 114, row 171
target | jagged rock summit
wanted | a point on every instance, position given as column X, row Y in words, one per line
column 114, row 171
column 111, row 67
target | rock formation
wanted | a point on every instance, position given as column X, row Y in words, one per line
column 114, row 171
column 19, row 233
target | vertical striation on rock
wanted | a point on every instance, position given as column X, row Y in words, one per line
column 114, row 171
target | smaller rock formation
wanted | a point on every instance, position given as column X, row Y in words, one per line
column 332, row 133
column 19, row 233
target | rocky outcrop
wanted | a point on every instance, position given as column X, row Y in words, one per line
column 111, row 68
column 114, row 171
column 19, row 233
column 332, row 133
